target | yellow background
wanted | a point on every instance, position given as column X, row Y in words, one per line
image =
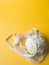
column 19, row 16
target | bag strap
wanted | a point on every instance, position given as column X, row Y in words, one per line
column 7, row 40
